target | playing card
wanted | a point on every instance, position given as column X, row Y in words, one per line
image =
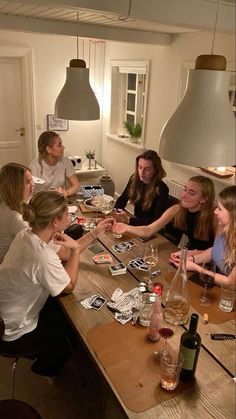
column 98, row 302
column 117, row 269
column 105, row 258
column 96, row 249
column 123, row 246
column 87, row 302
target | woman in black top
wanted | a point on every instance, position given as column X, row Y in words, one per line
column 146, row 190
column 194, row 216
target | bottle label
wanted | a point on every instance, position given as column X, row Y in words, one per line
column 189, row 357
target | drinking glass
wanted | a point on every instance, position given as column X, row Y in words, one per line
column 107, row 207
column 207, row 280
column 170, row 370
column 167, row 330
column 150, row 257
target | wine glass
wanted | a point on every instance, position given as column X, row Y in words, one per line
column 207, row 280
column 167, row 330
column 107, row 207
column 150, row 257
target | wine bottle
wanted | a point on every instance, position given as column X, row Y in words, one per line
column 177, row 296
column 190, row 344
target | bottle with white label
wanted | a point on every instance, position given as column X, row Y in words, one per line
column 190, row 344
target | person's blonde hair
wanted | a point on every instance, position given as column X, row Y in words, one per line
column 205, row 221
column 46, row 139
column 152, row 187
column 227, row 198
column 43, row 208
column 12, row 185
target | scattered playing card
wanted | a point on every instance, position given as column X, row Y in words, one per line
column 86, row 303
column 138, row 263
column 123, row 246
column 96, row 249
column 105, row 258
column 117, row 269
column 98, row 302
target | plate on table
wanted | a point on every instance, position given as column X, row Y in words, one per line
column 97, row 202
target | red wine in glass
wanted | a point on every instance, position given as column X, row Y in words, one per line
column 165, row 332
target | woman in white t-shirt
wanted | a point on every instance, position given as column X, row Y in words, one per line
column 31, row 272
column 56, row 170
column 16, row 187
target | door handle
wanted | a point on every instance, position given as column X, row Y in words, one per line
column 21, row 130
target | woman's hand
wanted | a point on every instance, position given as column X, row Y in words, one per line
column 190, row 265
column 120, row 216
column 66, row 241
column 175, row 257
column 104, row 225
column 119, row 228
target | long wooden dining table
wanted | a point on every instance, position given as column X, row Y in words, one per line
column 213, row 394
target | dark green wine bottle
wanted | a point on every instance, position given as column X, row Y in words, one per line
column 190, row 344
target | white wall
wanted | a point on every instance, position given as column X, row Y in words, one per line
column 164, row 82
column 51, row 56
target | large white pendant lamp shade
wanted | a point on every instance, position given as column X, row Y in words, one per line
column 77, row 101
column 201, row 132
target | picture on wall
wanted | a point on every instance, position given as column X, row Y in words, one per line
column 57, row 124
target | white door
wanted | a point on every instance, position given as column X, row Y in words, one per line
column 13, row 147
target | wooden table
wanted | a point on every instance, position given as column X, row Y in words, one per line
column 214, row 394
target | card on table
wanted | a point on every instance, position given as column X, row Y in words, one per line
column 138, row 263
column 95, row 301
column 98, row 302
column 96, row 249
column 123, row 246
column 117, row 269
column 105, row 258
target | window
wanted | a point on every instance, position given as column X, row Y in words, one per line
column 129, row 81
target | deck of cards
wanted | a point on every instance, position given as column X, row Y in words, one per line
column 95, row 301
column 123, row 246
column 117, row 269
column 139, row 263
column 105, row 258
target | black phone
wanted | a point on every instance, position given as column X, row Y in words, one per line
column 195, row 277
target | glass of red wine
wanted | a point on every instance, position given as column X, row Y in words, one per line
column 167, row 330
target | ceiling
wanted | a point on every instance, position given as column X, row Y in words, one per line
column 125, row 20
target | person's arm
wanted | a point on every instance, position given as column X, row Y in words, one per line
column 74, row 186
column 88, row 238
column 196, row 256
column 147, row 231
column 219, row 279
column 123, row 198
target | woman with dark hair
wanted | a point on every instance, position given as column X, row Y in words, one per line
column 145, row 190
column 56, row 170
column 194, row 216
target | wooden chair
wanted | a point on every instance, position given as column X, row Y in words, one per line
column 15, row 355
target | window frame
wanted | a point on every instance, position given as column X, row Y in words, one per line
column 119, row 91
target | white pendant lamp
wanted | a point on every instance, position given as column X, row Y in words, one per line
column 77, row 101
column 201, row 132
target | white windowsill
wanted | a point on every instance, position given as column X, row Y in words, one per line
column 125, row 142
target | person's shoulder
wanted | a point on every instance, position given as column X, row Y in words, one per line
column 66, row 162
column 162, row 187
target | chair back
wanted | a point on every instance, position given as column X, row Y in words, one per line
column 2, row 328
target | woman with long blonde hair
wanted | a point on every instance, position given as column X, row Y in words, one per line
column 16, row 187
column 145, row 190
column 31, row 272
column 193, row 216
column 223, row 250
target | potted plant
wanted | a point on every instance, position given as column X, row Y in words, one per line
column 134, row 130
column 90, row 156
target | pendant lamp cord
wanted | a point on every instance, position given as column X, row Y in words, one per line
column 214, row 33
column 77, row 37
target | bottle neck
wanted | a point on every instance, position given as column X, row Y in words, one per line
column 193, row 324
